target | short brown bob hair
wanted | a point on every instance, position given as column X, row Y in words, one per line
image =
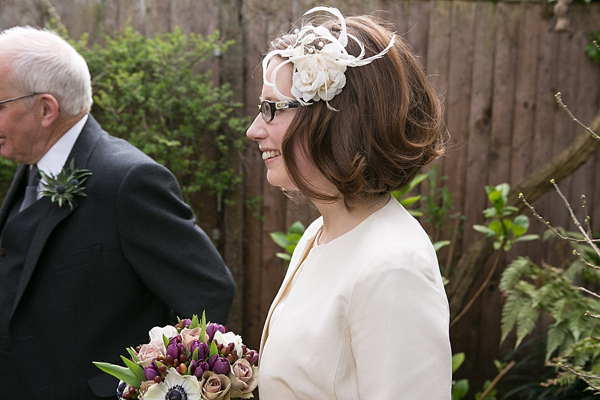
column 389, row 124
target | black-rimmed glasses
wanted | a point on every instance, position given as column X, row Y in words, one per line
column 268, row 108
column 18, row 98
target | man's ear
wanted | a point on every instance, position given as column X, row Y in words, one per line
column 50, row 109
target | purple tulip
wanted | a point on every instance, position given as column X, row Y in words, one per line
column 174, row 350
column 186, row 322
column 212, row 328
column 150, row 372
column 202, row 349
column 251, row 356
column 218, row 365
column 197, row 368
column 176, row 339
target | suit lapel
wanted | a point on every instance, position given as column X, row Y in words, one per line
column 51, row 213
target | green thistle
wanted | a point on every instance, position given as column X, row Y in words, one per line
column 67, row 184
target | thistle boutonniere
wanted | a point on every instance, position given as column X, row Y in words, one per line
column 64, row 186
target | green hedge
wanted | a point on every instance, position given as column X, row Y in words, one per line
column 158, row 93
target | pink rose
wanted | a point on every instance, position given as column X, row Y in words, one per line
column 214, row 386
column 244, row 379
column 147, row 354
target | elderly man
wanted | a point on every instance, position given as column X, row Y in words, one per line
column 84, row 277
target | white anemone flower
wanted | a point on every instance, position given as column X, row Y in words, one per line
column 174, row 387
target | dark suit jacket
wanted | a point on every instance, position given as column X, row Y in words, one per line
column 96, row 278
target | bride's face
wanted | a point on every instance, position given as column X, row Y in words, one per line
column 269, row 135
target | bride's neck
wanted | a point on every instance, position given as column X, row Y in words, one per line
column 338, row 220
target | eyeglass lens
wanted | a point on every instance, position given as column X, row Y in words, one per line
column 266, row 111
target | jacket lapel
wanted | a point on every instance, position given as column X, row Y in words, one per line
column 51, row 213
column 295, row 263
column 51, row 217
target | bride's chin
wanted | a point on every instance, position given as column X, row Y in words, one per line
column 281, row 182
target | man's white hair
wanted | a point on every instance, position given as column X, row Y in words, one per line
column 43, row 62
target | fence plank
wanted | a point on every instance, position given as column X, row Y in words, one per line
column 459, row 98
column 467, row 336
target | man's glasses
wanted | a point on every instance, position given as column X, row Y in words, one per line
column 18, row 98
column 268, row 108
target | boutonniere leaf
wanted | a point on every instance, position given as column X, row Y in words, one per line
column 63, row 187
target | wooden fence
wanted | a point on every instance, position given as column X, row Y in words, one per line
column 497, row 65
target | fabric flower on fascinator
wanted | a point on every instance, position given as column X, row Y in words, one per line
column 320, row 61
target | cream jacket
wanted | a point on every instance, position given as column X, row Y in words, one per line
column 365, row 316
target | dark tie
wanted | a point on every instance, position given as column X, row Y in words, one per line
column 31, row 190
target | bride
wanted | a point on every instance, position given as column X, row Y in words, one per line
column 347, row 116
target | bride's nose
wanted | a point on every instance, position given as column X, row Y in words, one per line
column 256, row 131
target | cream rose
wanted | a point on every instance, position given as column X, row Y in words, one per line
column 244, row 379
column 214, row 386
column 189, row 335
column 148, row 353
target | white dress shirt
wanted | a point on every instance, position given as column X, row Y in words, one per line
column 54, row 160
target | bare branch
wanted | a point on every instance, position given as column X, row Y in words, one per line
column 589, row 314
column 574, row 218
column 596, row 295
column 496, row 379
column 558, row 97
column 587, row 218
column 547, row 223
column 584, row 377
column 586, row 262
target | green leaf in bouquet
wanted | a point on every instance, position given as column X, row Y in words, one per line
column 195, row 355
column 195, row 323
column 135, row 368
column 165, row 340
column 122, row 373
column 203, row 326
column 133, row 354
column 213, row 349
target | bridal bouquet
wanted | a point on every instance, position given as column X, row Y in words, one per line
column 192, row 360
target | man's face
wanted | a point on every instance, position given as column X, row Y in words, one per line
column 22, row 138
